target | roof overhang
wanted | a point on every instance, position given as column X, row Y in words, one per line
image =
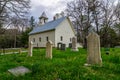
column 42, row 32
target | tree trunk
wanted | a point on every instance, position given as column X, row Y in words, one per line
column 15, row 41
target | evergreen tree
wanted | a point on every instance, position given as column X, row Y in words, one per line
column 32, row 22
column 25, row 34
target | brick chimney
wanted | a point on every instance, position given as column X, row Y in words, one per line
column 58, row 15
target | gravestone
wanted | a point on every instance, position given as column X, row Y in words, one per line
column 63, row 47
column 19, row 71
column 59, row 45
column 70, row 45
column 74, row 44
column 30, row 49
column 20, row 51
column 49, row 49
column 93, row 49
column 107, row 51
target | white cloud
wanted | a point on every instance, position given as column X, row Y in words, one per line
column 51, row 7
column 115, row 3
column 48, row 3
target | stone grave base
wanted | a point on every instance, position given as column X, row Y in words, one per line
column 74, row 49
column 19, row 71
column 86, row 64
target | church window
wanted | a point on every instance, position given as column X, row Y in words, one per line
column 40, row 39
column 70, row 40
column 46, row 38
column 61, row 38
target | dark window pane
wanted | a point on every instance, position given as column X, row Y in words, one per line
column 40, row 39
column 61, row 38
column 46, row 38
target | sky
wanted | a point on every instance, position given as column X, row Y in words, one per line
column 50, row 7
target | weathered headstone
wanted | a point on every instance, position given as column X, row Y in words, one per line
column 49, row 49
column 70, row 45
column 19, row 71
column 63, row 47
column 93, row 49
column 59, row 45
column 74, row 44
column 30, row 49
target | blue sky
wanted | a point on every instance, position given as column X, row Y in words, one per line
column 51, row 7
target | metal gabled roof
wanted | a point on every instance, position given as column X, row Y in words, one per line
column 48, row 26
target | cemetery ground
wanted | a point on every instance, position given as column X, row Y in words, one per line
column 65, row 65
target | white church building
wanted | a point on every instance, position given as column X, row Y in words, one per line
column 59, row 30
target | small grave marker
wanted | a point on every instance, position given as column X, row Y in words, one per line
column 19, row 71
column 74, row 44
column 107, row 51
column 63, row 47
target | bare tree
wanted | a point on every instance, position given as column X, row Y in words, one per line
column 108, row 14
column 10, row 8
column 76, row 10
column 117, row 11
column 18, row 25
column 96, row 11
column 117, row 15
column 97, row 15
column 85, row 14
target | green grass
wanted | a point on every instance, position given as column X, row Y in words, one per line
column 65, row 65
column 12, row 50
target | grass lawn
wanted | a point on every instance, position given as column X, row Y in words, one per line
column 65, row 65
column 9, row 50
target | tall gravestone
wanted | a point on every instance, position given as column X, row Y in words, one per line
column 30, row 48
column 74, row 44
column 93, row 49
column 49, row 49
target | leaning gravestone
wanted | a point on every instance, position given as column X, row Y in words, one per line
column 74, row 44
column 49, row 49
column 19, row 71
column 93, row 49
column 30, row 49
